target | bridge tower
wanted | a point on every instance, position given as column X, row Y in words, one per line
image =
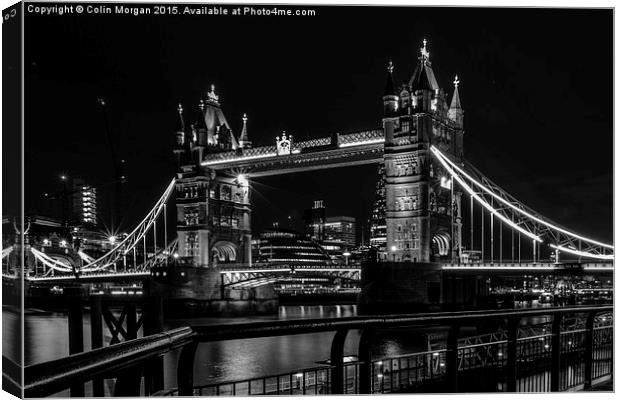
column 422, row 207
column 213, row 209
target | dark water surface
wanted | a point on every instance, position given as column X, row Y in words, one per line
column 46, row 338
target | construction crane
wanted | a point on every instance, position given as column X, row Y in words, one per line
column 118, row 165
column 118, row 179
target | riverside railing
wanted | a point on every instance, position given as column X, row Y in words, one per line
column 557, row 360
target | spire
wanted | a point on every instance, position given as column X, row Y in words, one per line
column 423, row 76
column 244, row 140
column 456, row 100
column 424, row 53
column 200, row 115
column 211, row 96
column 179, row 133
column 180, row 127
column 233, row 141
column 455, row 112
column 389, row 86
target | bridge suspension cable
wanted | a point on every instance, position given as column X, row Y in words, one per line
column 520, row 217
column 120, row 251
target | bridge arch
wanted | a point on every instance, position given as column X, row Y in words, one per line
column 224, row 251
column 441, row 243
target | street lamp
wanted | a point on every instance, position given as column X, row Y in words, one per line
column 346, row 255
column 112, row 239
column 242, row 180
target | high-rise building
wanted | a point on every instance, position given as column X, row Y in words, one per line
column 378, row 234
column 340, row 229
column 315, row 221
column 84, row 203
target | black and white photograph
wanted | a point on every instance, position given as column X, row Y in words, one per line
column 227, row 199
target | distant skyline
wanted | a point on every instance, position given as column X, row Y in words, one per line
column 538, row 112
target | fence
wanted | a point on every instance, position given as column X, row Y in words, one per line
column 566, row 356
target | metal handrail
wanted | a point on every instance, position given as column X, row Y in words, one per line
column 49, row 377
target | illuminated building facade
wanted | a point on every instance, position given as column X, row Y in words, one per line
column 315, row 221
column 84, row 203
column 282, row 246
column 377, row 219
column 213, row 209
column 422, row 210
column 340, row 229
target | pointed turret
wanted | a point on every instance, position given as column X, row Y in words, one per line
column 390, row 98
column 244, row 140
column 180, row 127
column 179, row 133
column 455, row 113
column 423, row 76
column 423, row 83
column 389, row 86
column 234, row 144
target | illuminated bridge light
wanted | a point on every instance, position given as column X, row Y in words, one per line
column 582, row 253
column 445, row 160
column 236, row 159
column 479, row 199
column 371, row 141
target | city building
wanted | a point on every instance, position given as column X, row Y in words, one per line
column 83, row 203
column 315, row 221
column 378, row 236
column 340, row 229
column 283, row 246
column 336, row 235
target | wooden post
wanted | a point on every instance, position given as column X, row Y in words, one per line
column 96, row 338
column 336, row 356
column 76, row 337
column 76, row 328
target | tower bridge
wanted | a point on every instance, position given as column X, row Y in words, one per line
column 440, row 210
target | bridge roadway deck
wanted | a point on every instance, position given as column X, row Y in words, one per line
column 357, row 148
column 506, row 268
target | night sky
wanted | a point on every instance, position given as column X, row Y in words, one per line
column 536, row 86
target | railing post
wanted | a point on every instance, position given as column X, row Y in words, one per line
column 511, row 350
column 365, row 358
column 185, row 370
column 556, row 352
column 76, row 337
column 452, row 358
column 96, row 338
column 589, row 350
column 336, row 356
